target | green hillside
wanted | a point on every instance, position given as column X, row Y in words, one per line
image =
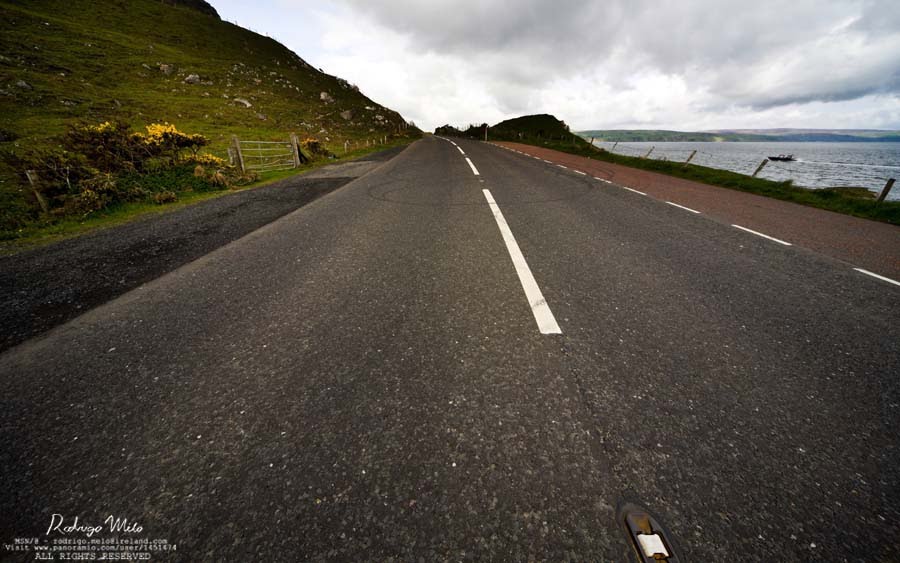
column 141, row 62
column 541, row 126
column 528, row 127
column 134, row 61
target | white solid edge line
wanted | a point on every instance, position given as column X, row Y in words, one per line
column 683, row 207
column 779, row 241
column 472, row 166
column 460, row 151
column 627, row 188
column 542, row 315
column 874, row 275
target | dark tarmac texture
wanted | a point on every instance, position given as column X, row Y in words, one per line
column 47, row 286
column 363, row 379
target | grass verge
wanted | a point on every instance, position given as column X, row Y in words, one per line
column 38, row 234
column 856, row 202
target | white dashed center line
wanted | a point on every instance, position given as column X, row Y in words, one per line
column 460, row 151
column 882, row 278
column 542, row 315
column 579, row 172
column 779, row 241
column 683, row 207
column 561, row 166
column 472, row 166
column 629, row 189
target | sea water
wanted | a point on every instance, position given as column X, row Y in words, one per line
column 818, row 165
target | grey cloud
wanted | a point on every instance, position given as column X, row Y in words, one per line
column 726, row 48
column 879, row 17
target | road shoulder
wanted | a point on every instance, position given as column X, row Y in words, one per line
column 50, row 285
column 862, row 243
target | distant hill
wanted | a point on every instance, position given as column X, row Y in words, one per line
column 540, row 126
column 145, row 61
column 778, row 132
column 633, row 135
column 448, row 131
column 744, row 135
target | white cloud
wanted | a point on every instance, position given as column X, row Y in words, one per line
column 619, row 63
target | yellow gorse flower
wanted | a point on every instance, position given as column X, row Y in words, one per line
column 105, row 126
column 208, row 160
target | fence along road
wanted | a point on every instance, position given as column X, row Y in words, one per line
column 803, row 171
column 367, row 370
column 870, row 245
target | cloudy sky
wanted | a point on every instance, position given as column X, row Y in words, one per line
column 615, row 64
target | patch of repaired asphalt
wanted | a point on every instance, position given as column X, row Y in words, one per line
column 48, row 286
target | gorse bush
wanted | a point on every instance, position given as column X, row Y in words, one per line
column 112, row 147
column 96, row 166
column 109, row 147
column 207, row 160
column 314, row 148
column 163, row 140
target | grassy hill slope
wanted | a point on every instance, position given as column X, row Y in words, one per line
column 111, row 59
column 152, row 61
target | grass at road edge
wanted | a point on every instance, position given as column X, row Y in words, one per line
column 854, row 202
column 42, row 235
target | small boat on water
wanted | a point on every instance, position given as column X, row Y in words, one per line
column 783, row 157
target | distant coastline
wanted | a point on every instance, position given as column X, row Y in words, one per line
column 745, row 135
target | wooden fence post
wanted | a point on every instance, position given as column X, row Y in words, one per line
column 295, row 150
column 887, row 188
column 32, row 180
column 760, row 167
column 345, row 146
column 237, row 149
column 690, row 158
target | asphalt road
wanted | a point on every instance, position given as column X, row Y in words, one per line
column 47, row 286
column 365, row 379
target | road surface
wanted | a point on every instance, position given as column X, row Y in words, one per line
column 470, row 354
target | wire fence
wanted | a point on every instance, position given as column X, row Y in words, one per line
column 271, row 156
column 806, row 171
column 654, row 152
